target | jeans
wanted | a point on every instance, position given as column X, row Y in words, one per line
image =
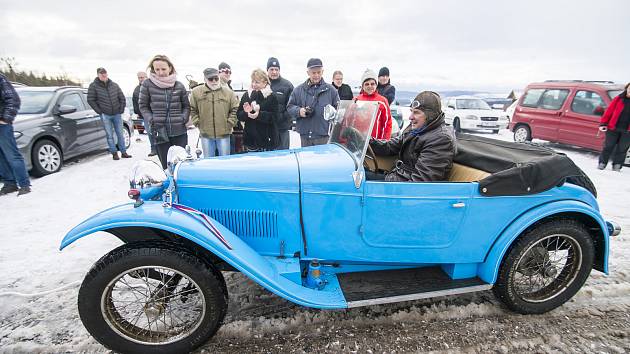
column 209, row 146
column 147, row 129
column 616, row 144
column 12, row 167
column 114, row 124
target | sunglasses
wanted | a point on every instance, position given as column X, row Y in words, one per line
column 214, row 78
column 227, row 71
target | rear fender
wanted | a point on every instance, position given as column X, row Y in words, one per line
column 489, row 269
column 212, row 236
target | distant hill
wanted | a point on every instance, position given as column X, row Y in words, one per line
column 412, row 94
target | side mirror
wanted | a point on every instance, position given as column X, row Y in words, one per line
column 329, row 112
column 66, row 109
column 451, row 106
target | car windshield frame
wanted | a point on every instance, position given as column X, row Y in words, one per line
column 470, row 106
column 351, row 127
column 28, row 97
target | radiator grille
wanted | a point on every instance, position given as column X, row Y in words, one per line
column 246, row 223
column 490, row 119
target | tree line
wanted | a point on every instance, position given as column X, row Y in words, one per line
column 9, row 69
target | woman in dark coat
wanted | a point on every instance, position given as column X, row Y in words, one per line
column 165, row 107
column 259, row 111
column 616, row 123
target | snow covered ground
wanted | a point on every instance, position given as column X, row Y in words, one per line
column 36, row 321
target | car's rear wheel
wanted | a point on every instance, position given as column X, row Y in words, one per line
column 545, row 267
column 152, row 299
column 522, row 133
column 495, row 131
column 456, row 125
column 46, row 158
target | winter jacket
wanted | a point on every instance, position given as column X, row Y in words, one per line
column 260, row 133
column 106, row 97
column 282, row 89
column 344, row 91
column 134, row 99
column 153, row 102
column 611, row 116
column 425, row 157
column 9, row 101
column 316, row 96
column 388, row 91
column 383, row 125
column 213, row 111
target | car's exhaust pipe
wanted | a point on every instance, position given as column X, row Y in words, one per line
column 613, row 228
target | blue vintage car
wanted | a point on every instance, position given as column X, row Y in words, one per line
column 307, row 225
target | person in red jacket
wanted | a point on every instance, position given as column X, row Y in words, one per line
column 383, row 126
column 616, row 123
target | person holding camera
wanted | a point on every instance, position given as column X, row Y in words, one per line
column 306, row 104
column 616, row 123
column 259, row 111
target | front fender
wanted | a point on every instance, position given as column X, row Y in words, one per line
column 231, row 249
column 489, row 269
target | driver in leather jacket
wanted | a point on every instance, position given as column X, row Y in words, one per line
column 425, row 149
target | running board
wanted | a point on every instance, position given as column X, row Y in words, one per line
column 382, row 287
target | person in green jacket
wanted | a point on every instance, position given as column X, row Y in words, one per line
column 213, row 110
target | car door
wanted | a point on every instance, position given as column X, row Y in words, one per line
column 76, row 125
column 97, row 135
column 580, row 122
column 407, row 215
column 548, row 113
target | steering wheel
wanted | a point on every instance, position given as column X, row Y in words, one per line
column 369, row 154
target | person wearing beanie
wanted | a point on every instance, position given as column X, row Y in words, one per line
column 225, row 73
column 385, row 88
column 425, row 149
column 307, row 102
column 282, row 89
column 345, row 92
column 383, row 125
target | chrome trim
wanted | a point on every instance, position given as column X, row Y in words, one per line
column 410, row 297
column 357, row 176
column 614, row 229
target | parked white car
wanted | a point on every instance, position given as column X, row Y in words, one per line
column 473, row 113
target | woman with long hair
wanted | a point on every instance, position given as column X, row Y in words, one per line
column 259, row 111
column 616, row 123
column 164, row 105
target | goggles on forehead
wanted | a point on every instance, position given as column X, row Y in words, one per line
column 416, row 104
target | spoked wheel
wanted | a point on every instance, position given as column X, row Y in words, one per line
column 545, row 267
column 141, row 300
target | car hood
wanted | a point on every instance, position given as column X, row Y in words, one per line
column 272, row 170
column 25, row 118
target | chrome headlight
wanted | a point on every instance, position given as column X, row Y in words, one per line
column 147, row 178
column 175, row 155
column 472, row 117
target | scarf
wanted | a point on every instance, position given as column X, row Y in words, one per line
column 163, row 82
column 417, row 131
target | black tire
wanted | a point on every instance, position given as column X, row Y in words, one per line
column 495, row 131
column 128, row 137
column 46, row 158
column 111, row 321
column 531, row 255
column 522, row 133
column 456, row 125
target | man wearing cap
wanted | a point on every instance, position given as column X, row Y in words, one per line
column 426, row 148
column 282, row 89
column 307, row 103
column 383, row 124
column 213, row 110
column 225, row 73
column 385, row 88
column 107, row 99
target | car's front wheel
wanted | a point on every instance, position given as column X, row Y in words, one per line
column 456, row 125
column 127, row 137
column 522, row 134
column 46, row 158
column 152, row 299
column 545, row 267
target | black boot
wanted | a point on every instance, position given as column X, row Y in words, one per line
column 115, row 156
column 8, row 188
column 24, row 190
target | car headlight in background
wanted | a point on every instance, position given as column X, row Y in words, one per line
column 147, row 180
column 471, row 117
column 17, row 135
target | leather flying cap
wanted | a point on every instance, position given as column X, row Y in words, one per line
column 314, row 63
column 429, row 103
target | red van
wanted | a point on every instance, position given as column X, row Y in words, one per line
column 566, row 112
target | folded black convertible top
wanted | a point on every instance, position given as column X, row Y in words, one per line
column 518, row 168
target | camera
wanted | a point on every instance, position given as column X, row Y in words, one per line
column 307, row 111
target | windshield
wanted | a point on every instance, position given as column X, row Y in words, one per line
column 472, row 103
column 34, row 102
column 352, row 126
column 613, row 93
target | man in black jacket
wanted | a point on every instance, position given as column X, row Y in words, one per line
column 282, row 89
column 385, row 88
column 136, row 109
column 107, row 99
column 426, row 148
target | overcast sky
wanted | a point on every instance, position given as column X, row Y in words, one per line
column 490, row 46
